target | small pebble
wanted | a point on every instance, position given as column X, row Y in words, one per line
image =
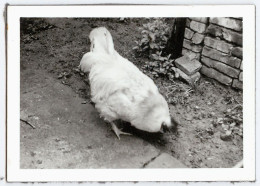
column 39, row 161
column 228, row 132
column 225, row 137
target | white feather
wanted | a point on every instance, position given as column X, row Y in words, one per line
column 119, row 89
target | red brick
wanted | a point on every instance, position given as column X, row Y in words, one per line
column 189, row 45
column 222, row 57
column 189, row 79
column 197, row 38
column 237, row 84
column 188, row 66
column 191, row 55
column 200, row 19
column 226, row 34
column 241, row 76
column 232, row 72
column 233, row 24
column 198, row 27
column 188, row 33
column 218, row 44
column 188, row 23
column 237, row 51
column 210, row 72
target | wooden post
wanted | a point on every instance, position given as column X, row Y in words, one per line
column 175, row 42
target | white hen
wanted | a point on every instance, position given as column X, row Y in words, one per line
column 120, row 90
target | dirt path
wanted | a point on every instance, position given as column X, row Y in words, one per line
column 58, row 131
column 49, row 56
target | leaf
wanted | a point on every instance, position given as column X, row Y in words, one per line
column 162, row 70
column 144, row 32
column 135, row 48
column 144, row 40
column 161, row 58
column 152, row 36
column 152, row 45
column 155, row 57
column 146, row 47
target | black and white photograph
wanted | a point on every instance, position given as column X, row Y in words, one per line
column 132, row 92
column 82, row 80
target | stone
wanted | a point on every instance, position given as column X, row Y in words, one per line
column 198, row 27
column 189, row 79
column 214, row 54
column 232, row 72
column 165, row 160
column 226, row 34
column 214, row 30
column 188, row 66
column 233, row 24
column 188, row 23
column 222, row 57
column 197, row 38
column 237, row 52
column 200, row 19
column 218, row 44
column 226, row 137
column 234, row 62
column 241, row 66
column 237, row 84
column 188, row 33
column 189, row 45
column 212, row 73
column 241, row 76
column 232, row 37
column 191, row 55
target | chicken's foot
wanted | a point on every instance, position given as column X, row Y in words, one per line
column 118, row 131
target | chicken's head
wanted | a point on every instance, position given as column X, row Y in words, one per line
column 154, row 115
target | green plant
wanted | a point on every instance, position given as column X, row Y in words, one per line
column 160, row 66
column 155, row 35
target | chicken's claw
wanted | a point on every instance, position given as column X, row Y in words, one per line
column 118, row 131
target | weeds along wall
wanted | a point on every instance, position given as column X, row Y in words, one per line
column 217, row 44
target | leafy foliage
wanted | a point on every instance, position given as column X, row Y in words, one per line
column 155, row 35
column 159, row 65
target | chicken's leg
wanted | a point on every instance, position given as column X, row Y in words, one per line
column 118, row 131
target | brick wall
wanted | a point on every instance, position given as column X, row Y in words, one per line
column 217, row 44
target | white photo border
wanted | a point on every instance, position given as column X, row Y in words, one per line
column 15, row 174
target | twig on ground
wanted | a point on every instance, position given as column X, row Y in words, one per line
column 28, row 123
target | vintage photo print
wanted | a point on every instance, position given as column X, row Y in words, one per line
column 147, row 93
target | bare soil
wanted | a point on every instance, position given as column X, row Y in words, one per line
column 55, row 46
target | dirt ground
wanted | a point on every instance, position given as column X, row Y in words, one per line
column 54, row 48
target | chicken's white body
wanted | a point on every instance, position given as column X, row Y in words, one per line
column 121, row 91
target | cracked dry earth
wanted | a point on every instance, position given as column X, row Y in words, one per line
column 61, row 129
